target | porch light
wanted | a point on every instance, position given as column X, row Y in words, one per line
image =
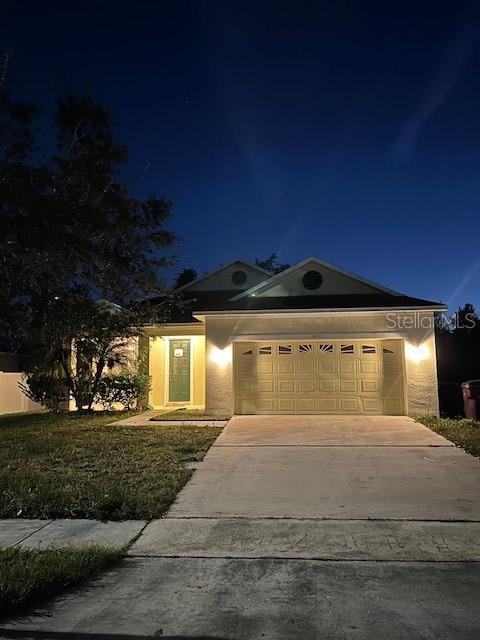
column 416, row 353
column 222, row 357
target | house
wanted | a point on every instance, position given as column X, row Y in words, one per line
column 312, row 339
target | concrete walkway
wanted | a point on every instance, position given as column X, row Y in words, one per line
column 299, row 527
column 43, row 534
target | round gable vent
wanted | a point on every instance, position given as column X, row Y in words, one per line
column 312, row 280
column 239, row 277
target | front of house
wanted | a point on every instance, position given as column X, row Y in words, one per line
column 313, row 339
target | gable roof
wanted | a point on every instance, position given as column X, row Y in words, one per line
column 276, row 279
column 249, row 265
column 200, row 303
column 363, row 295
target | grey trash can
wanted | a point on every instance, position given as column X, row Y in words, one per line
column 471, row 399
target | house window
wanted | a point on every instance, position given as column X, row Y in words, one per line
column 284, row 349
column 347, row 349
column 248, row 353
column 387, row 350
column 366, row 348
column 305, row 348
column 265, row 351
column 326, row 348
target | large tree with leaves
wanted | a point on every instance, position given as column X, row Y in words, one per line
column 72, row 230
column 74, row 224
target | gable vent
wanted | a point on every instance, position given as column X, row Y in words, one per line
column 312, row 280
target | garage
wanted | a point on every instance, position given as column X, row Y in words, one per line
column 319, row 377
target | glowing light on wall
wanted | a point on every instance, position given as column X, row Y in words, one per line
column 416, row 353
column 222, row 357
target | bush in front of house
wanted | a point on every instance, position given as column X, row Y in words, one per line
column 128, row 389
column 50, row 390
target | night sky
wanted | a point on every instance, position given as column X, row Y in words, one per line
column 345, row 130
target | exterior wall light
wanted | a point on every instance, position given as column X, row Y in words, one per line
column 222, row 357
column 416, row 353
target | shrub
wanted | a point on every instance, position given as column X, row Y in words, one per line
column 48, row 389
column 127, row 389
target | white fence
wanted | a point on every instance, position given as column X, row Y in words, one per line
column 12, row 400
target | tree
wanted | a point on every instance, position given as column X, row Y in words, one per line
column 73, row 233
column 458, row 355
column 185, row 277
column 73, row 224
column 272, row 264
column 85, row 339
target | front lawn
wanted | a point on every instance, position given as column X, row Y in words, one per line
column 28, row 576
column 465, row 433
column 73, row 466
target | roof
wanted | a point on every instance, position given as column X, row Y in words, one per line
column 206, row 302
column 368, row 296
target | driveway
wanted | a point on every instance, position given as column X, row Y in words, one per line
column 302, row 527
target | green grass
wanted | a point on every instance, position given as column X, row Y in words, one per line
column 464, row 433
column 29, row 576
column 73, row 466
column 188, row 414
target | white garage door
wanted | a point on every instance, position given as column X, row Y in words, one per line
column 356, row 377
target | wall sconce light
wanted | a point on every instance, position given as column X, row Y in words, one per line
column 416, row 353
column 222, row 357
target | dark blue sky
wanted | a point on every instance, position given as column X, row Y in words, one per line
column 345, row 130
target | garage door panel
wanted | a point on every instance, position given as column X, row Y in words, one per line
column 370, row 386
column 393, row 406
column 265, row 367
column 246, row 387
column 306, row 386
column 305, row 365
column 327, row 366
column 347, row 366
column 348, row 386
column 285, row 367
column 286, row 404
column 350, row 405
column 328, row 405
column 327, row 386
column 369, row 366
column 286, row 386
column 266, row 404
column 306, row 405
column 371, row 405
column 319, row 377
column 265, row 385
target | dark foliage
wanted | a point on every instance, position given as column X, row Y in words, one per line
column 185, row 277
column 272, row 264
column 458, row 358
column 72, row 225
column 72, row 234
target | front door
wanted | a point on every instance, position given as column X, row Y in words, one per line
column 179, row 371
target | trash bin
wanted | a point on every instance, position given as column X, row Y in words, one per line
column 471, row 399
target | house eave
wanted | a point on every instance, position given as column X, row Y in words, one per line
column 334, row 310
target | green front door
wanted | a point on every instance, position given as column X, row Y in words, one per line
column 179, row 368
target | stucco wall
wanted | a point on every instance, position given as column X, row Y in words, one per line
column 412, row 327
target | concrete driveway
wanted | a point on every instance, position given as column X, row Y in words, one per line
column 302, row 527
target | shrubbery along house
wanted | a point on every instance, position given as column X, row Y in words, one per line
column 313, row 339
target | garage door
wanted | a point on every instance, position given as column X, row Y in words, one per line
column 356, row 377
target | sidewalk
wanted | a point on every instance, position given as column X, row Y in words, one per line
column 43, row 534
